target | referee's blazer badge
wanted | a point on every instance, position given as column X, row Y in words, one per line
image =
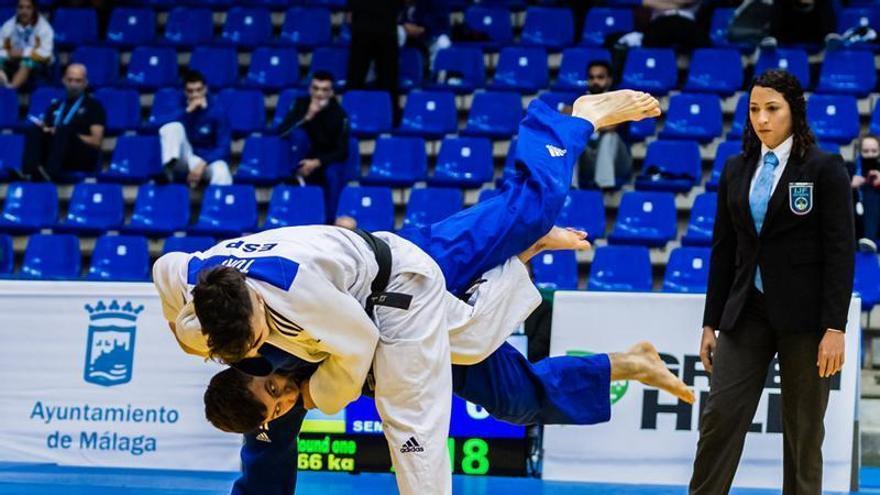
column 800, row 197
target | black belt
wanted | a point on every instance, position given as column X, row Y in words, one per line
column 379, row 296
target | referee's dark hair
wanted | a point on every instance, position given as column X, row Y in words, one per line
column 230, row 405
column 788, row 85
column 223, row 307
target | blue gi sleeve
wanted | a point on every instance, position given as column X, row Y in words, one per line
column 222, row 143
column 269, row 467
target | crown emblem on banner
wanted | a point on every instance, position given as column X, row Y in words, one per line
column 102, row 311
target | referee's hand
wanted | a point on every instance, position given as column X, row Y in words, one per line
column 831, row 353
column 707, row 348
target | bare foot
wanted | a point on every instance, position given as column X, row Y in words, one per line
column 651, row 370
column 563, row 238
column 614, row 107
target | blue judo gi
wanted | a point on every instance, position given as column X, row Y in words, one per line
column 555, row 390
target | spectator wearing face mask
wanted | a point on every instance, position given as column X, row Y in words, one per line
column 867, row 180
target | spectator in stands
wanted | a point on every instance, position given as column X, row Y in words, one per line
column 68, row 138
column 606, row 162
column 425, row 25
column 374, row 41
column 800, row 21
column 197, row 143
column 674, row 23
column 867, row 180
column 319, row 120
column 26, row 42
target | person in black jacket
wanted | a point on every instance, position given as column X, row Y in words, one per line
column 780, row 281
column 320, row 120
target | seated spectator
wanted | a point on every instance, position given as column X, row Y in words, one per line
column 867, row 179
column 68, row 138
column 674, row 23
column 424, row 24
column 197, row 144
column 26, row 42
column 800, row 21
column 318, row 124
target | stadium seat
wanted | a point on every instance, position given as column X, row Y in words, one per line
column 601, row 22
column 522, row 69
column 290, row 206
column 829, row 147
column 410, row 72
column 549, row 27
column 160, row 210
column 650, row 69
column 645, row 218
column 493, row 22
column 673, row 166
column 494, row 114
column 693, row 116
column 247, row 26
column 833, row 117
column 699, row 231
column 719, row 25
column 875, row 121
column 7, row 256
column 227, row 211
column 620, row 269
column 724, row 151
column 168, row 104
column 11, row 153
column 559, row 99
column 152, row 67
column 120, row 258
column 8, row 108
column 854, row 17
column 52, row 257
column 102, row 64
column 555, row 270
column 867, row 280
column 306, row 27
column 330, row 4
column 219, row 65
column 94, row 209
column 850, row 72
column 135, row 159
column 333, row 60
column 272, row 68
column 431, row 204
column 739, row 118
column 573, row 68
column 584, row 210
column 187, row 244
column 74, row 26
column 371, row 206
column 715, row 70
column 29, row 207
column 793, row 60
column 40, row 100
column 131, row 26
column 264, row 161
column 641, row 130
column 369, row 112
column 459, row 69
column 687, row 270
column 285, row 103
column 246, row 110
column 123, row 108
column 463, row 162
column 429, row 114
column 189, row 26
column 398, row 162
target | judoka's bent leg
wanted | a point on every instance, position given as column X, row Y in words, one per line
column 269, row 467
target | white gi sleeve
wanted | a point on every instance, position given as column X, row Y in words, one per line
column 6, row 36
column 169, row 277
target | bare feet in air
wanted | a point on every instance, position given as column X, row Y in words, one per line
column 651, row 370
column 564, row 238
column 615, row 107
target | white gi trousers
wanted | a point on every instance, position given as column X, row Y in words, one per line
column 172, row 137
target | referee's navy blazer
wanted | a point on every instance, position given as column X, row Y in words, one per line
column 806, row 248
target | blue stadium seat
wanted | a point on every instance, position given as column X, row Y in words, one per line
column 120, row 258
column 573, row 68
column 641, row 130
column 687, row 270
column 160, row 210
column 693, row 116
column 398, row 162
column 673, row 166
column 793, row 60
column 189, row 26
column 187, row 244
column 584, row 210
column 552, row 28
column 101, row 62
column 168, row 103
column 52, row 257
column 555, row 270
column 371, row 206
column 430, row 114
column 620, row 269
column 29, row 207
column 291, row 206
column 40, row 100
column 219, row 65
column 410, row 73
column 459, row 69
column 123, row 108
column 494, row 114
column 699, row 231
column 265, row 160
column 8, row 108
column 521, row 69
column 833, row 117
column 559, row 99
column 719, row 26
column 227, row 211
column 333, row 60
column 850, row 72
column 369, row 112
column 330, row 4
column 854, row 17
column 601, row 22
column 645, row 218
column 94, row 209
column 248, row 109
column 431, row 204
column 273, row 68
column 247, row 26
column 867, row 280
column 135, row 159
column 829, row 147
column 739, row 118
column 493, row 22
column 715, row 70
column 464, row 162
column 285, row 102
column 875, row 120
column 7, row 256
column 75, row 26
column 11, row 152
column 152, row 67
column 131, row 26
column 307, row 27
column 650, row 69
column 724, row 151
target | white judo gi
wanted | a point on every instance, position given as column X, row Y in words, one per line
column 315, row 282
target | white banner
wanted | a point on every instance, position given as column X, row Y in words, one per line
column 92, row 376
column 652, row 438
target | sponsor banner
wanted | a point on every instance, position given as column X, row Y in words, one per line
column 652, row 437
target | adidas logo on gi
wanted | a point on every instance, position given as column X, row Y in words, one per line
column 411, row 445
column 263, row 437
column 555, row 152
